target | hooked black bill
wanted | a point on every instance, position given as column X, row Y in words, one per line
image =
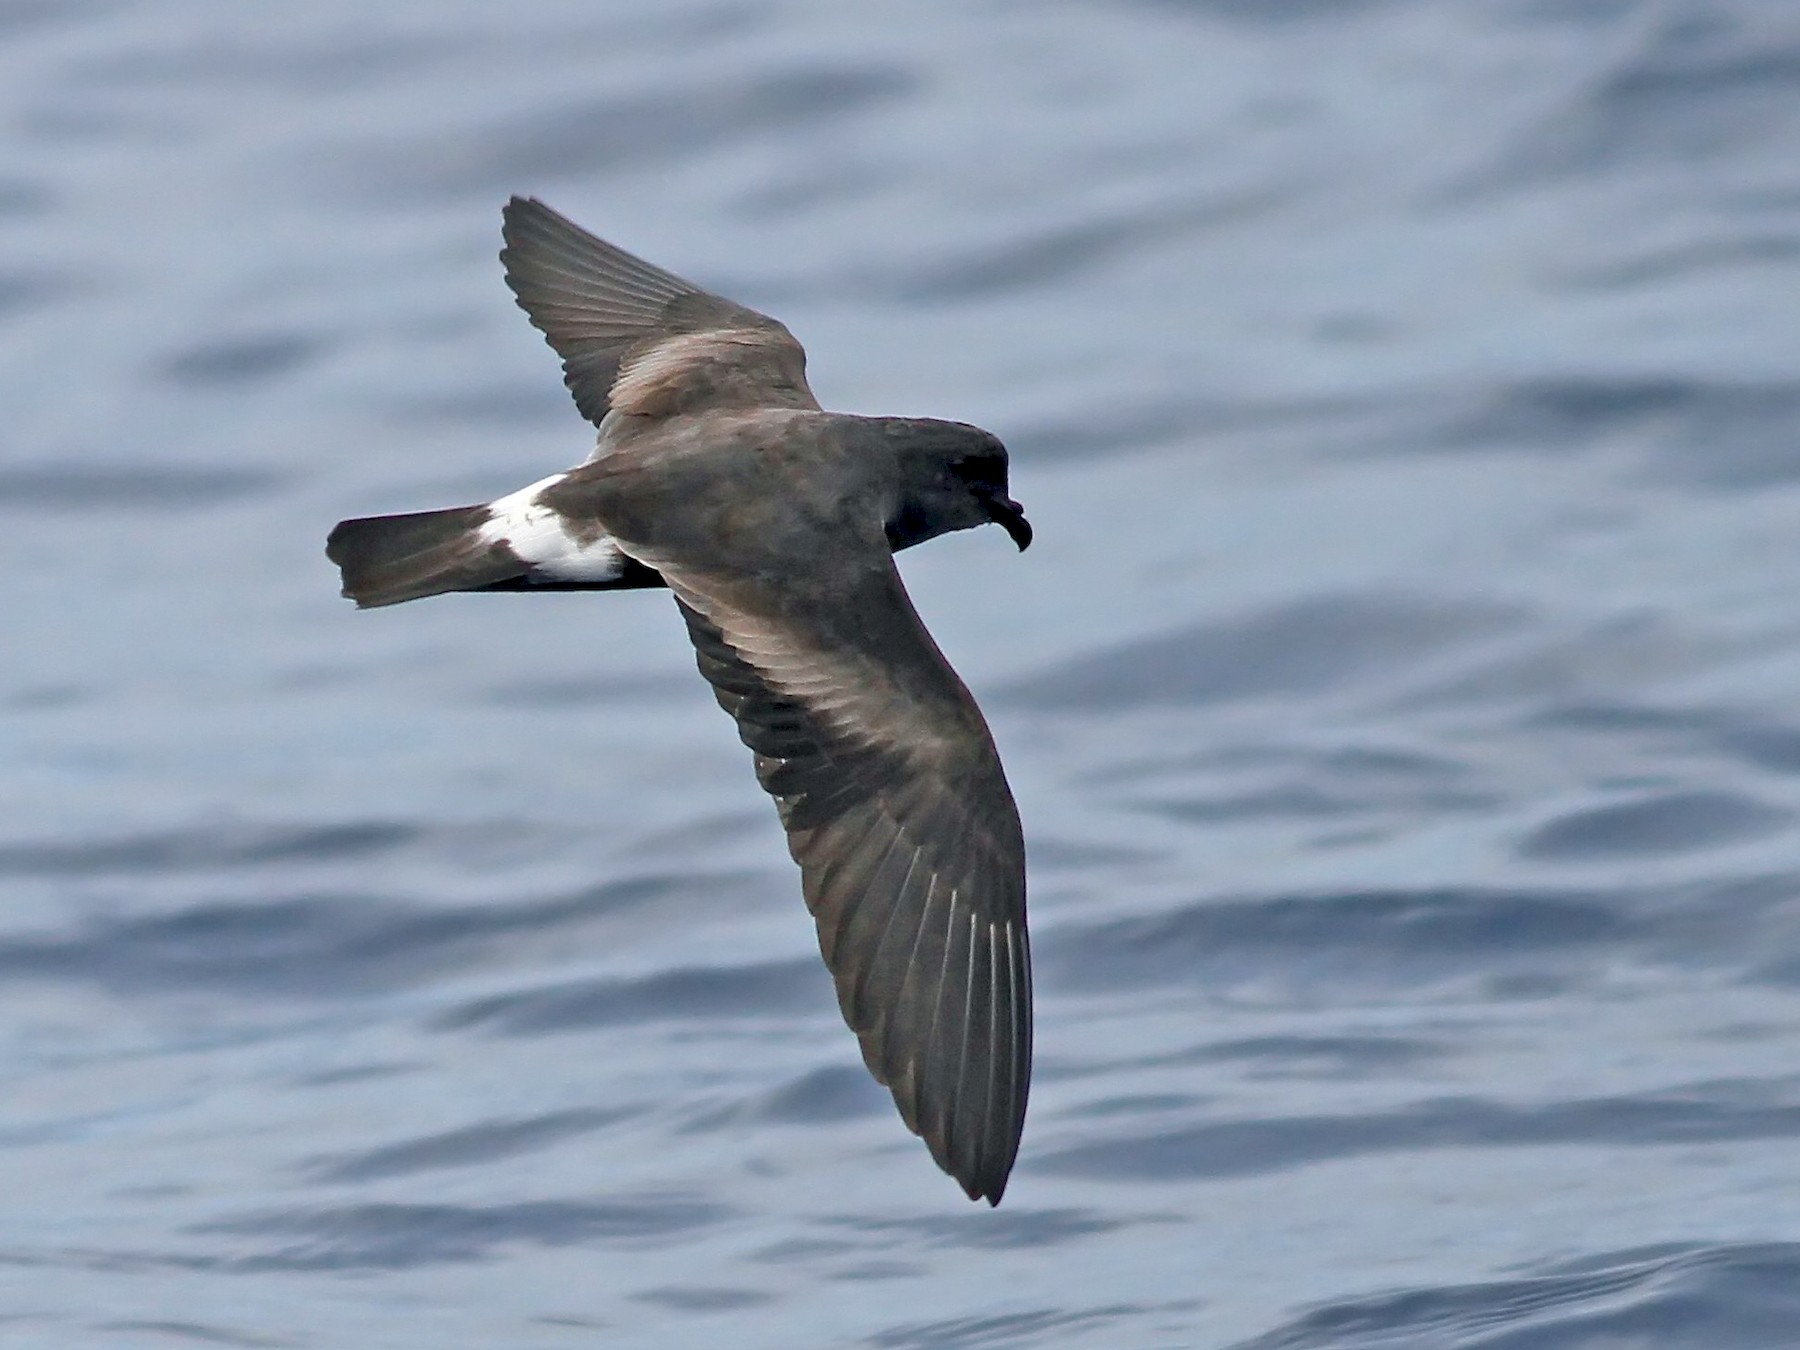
column 1010, row 516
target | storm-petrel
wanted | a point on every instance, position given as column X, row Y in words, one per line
column 718, row 475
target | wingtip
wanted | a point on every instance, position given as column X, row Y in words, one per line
column 513, row 214
column 523, row 216
column 334, row 542
column 983, row 1184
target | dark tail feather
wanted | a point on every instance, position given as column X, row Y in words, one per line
column 388, row 559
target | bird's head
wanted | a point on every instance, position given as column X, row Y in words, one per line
column 952, row 476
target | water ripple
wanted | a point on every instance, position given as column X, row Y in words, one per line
column 470, row 1146
column 772, row 988
column 1692, row 1298
column 403, row 1237
column 1706, row 1113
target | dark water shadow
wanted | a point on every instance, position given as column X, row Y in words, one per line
column 1740, row 1295
column 1687, row 430
column 1304, row 647
column 1053, row 256
column 1704, row 432
column 1119, row 428
column 1698, row 90
column 1268, row 12
column 199, row 850
column 312, row 947
column 20, row 16
column 1652, row 826
column 1370, row 938
column 405, row 1237
column 824, row 1096
column 1012, row 1228
column 24, row 196
column 1703, row 1113
column 470, row 1146
column 1036, row 1326
column 768, row 989
column 38, row 488
column 245, row 358
column 1746, row 736
column 25, row 289
column 194, row 1333
column 579, row 140
column 694, row 1298
column 228, row 63
column 599, row 691
column 1315, row 1057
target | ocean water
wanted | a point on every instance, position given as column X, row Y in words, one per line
column 1401, row 694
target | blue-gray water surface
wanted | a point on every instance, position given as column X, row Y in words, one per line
column 1401, row 695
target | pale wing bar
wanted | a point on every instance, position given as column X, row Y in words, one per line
column 589, row 298
column 603, row 310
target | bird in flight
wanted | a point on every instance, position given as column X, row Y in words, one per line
column 717, row 474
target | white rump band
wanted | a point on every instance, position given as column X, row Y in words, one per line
column 539, row 536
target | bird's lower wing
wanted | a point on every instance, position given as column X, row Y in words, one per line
column 905, row 830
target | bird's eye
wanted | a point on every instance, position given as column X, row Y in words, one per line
column 981, row 471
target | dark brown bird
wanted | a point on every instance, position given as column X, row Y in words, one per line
column 717, row 474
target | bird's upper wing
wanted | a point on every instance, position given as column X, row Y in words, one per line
column 637, row 338
column 899, row 814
